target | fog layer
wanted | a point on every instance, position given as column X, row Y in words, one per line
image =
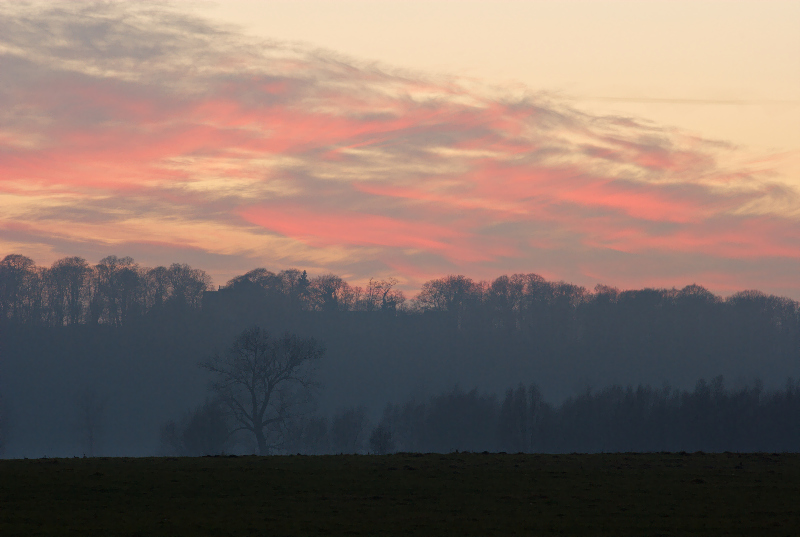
column 104, row 359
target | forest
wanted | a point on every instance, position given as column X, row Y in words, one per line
column 107, row 359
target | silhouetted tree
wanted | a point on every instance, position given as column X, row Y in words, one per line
column 506, row 301
column 381, row 295
column 204, row 431
column 325, row 292
column 295, row 288
column 4, row 424
column 514, row 422
column 91, row 408
column 20, row 288
column 118, row 290
column 519, row 326
column 308, row 436
column 450, row 293
column 68, row 288
column 350, row 298
column 260, row 281
column 455, row 295
column 159, row 287
column 187, row 284
column 407, row 425
column 535, row 302
column 207, row 431
column 348, row 429
column 380, row 440
column 264, row 382
column 461, row 420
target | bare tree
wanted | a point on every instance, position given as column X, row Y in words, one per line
column 118, row 290
column 380, row 294
column 203, row 431
column 452, row 294
column 380, row 441
column 188, row 284
column 4, row 423
column 295, row 287
column 91, row 406
column 67, row 284
column 265, row 382
column 20, row 288
column 326, row 292
column 158, row 287
column 308, row 436
column 348, row 430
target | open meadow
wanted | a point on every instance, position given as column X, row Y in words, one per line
column 404, row 494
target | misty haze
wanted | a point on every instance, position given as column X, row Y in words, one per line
column 120, row 359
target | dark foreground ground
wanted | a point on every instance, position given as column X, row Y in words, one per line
column 405, row 494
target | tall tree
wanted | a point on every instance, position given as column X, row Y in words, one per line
column 381, row 295
column 158, row 287
column 204, row 431
column 67, row 283
column 451, row 294
column 91, row 407
column 505, row 298
column 348, row 430
column 4, row 422
column 326, row 292
column 294, row 284
column 118, row 290
column 514, row 421
column 19, row 287
column 188, row 284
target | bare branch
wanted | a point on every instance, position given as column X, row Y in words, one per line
column 263, row 380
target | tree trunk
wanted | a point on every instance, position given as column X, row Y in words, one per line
column 263, row 449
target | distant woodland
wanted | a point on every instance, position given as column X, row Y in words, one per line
column 103, row 359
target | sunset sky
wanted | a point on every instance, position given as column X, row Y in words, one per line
column 626, row 143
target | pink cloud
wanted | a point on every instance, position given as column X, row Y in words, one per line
column 332, row 228
column 750, row 238
column 330, row 154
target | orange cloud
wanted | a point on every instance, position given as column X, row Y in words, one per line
column 333, row 228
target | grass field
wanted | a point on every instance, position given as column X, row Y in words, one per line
column 404, row 494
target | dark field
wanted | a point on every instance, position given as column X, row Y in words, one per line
column 455, row 494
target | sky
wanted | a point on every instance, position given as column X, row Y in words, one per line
column 633, row 144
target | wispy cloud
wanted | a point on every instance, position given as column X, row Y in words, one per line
column 143, row 129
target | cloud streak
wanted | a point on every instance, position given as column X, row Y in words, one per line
column 123, row 127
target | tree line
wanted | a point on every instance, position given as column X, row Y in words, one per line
column 116, row 289
column 708, row 418
column 112, row 292
column 520, row 315
column 263, row 385
column 134, row 334
column 614, row 419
